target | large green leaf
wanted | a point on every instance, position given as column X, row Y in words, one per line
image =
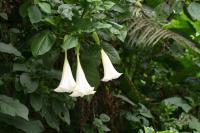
column 62, row 111
column 51, row 119
column 8, row 48
column 90, row 60
column 179, row 102
column 34, row 126
column 36, row 102
column 13, row 107
column 194, row 10
column 42, row 42
column 45, row 7
column 69, row 42
column 34, row 14
column 27, row 82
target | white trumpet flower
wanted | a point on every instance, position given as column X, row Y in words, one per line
column 67, row 83
column 109, row 70
column 82, row 86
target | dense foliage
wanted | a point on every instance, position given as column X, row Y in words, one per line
column 154, row 43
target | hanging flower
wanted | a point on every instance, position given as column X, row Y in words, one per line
column 67, row 83
column 82, row 88
column 109, row 70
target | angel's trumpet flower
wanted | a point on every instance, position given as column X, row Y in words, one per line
column 109, row 70
column 67, row 83
column 82, row 86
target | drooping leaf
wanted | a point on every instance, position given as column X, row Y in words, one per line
column 126, row 99
column 10, row 49
column 69, row 42
column 45, row 7
column 34, row 126
column 90, row 59
column 62, row 111
column 42, row 42
column 36, row 102
column 27, row 82
column 13, row 107
column 179, row 102
column 23, row 9
column 34, row 14
column 52, row 120
column 145, row 112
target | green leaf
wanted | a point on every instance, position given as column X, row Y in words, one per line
column 52, row 120
column 108, row 4
column 23, row 9
column 42, row 42
column 145, row 112
column 26, row 126
column 62, row 111
column 90, row 59
column 34, row 14
column 194, row 10
column 69, row 42
column 112, row 53
column 104, row 117
column 66, row 11
column 45, row 7
column 194, row 123
column 30, row 84
column 20, row 67
column 10, row 49
column 122, row 35
column 36, row 102
column 126, row 99
column 179, row 102
column 4, row 15
column 13, row 107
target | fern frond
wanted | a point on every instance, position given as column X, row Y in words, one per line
column 146, row 32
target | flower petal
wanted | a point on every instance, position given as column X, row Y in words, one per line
column 109, row 71
column 67, row 83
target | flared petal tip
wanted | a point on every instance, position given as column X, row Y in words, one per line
column 108, row 78
column 80, row 94
column 59, row 89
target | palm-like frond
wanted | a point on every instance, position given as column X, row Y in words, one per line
column 146, row 32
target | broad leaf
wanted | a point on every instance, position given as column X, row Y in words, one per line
column 45, row 7
column 34, row 14
column 23, row 9
column 27, row 82
column 52, row 120
column 10, row 49
column 66, row 11
column 36, row 102
column 179, row 102
column 69, row 42
column 42, row 42
column 13, row 107
column 90, row 59
column 26, row 126
column 126, row 99
column 62, row 111
column 194, row 10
